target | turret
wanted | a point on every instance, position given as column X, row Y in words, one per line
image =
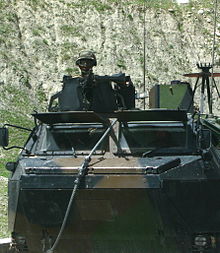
column 95, row 93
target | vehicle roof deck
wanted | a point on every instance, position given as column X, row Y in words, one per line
column 123, row 116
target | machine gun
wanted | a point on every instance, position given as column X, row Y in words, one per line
column 116, row 78
column 95, row 93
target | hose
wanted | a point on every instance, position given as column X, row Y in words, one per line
column 81, row 174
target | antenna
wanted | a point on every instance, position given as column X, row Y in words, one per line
column 144, row 48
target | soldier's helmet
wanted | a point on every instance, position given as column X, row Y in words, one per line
column 86, row 55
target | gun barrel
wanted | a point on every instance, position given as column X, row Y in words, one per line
column 117, row 78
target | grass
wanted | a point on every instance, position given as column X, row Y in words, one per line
column 3, row 209
column 102, row 6
column 99, row 6
column 35, row 4
column 70, row 30
column 72, row 71
column 16, row 137
column 18, row 107
column 122, row 64
column 19, row 104
column 166, row 4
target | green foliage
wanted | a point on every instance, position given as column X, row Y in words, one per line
column 40, row 43
column 122, row 64
column 41, row 97
column 70, row 30
column 19, row 105
column 35, row 4
column 45, row 42
column 141, row 59
column 5, row 28
column 17, row 97
column 3, row 209
column 152, row 77
column 200, row 4
column 180, row 26
column 68, row 46
column 68, row 51
column 84, row 38
column 100, row 6
column 16, row 136
column 3, row 5
column 12, row 17
column 36, row 32
column 72, row 71
column 130, row 17
column 163, row 4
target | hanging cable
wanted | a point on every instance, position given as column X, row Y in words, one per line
column 81, row 174
column 213, row 51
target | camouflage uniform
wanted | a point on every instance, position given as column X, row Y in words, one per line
column 86, row 61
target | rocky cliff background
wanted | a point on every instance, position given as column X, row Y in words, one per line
column 40, row 41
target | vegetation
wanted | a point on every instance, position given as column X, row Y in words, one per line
column 121, row 64
column 3, row 209
column 69, row 30
column 20, row 106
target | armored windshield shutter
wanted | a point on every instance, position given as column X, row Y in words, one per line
column 71, row 98
column 104, row 99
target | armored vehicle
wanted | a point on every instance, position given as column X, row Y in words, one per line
column 97, row 175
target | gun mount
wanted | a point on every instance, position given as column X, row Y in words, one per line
column 95, row 93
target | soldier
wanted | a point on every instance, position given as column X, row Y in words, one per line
column 86, row 61
column 93, row 92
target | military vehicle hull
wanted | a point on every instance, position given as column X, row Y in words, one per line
column 120, row 209
column 135, row 195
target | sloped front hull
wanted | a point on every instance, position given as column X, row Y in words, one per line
column 101, row 220
column 135, row 220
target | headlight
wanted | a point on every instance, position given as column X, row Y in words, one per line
column 204, row 241
column 200, row 241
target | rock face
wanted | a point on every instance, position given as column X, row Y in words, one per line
column 40, row 40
